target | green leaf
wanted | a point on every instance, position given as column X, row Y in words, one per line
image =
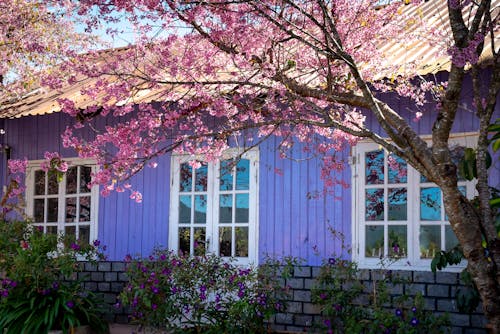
column 495, row 202
column 496, row 145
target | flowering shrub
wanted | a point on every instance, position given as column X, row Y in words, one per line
column 339, row 292
column 202, row 294
column 342, row 298
column 39, row 290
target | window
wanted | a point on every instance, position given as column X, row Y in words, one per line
column 63, row 206
column 397, row 212
column 214, row 207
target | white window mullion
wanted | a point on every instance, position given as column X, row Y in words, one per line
column 61, row 198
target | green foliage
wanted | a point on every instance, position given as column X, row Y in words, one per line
column 341, row 296
column 39, row 291
column 444, row 258
column 495, row 138
column 203, row 294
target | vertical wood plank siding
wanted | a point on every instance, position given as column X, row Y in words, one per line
column 290, row 222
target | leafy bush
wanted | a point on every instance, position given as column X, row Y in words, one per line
column 202, row 294
column 39, row 290
column 339, row 292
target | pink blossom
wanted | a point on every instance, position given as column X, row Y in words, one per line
column 18, row 166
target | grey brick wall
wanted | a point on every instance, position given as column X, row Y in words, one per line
column 438, row 289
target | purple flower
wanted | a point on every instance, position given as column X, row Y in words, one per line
column 12, row 284
column 327, row 322
column 4, row 293
column 75, row 247
column 414, row 309
column 244, row 272
column 163, row 257
column 70, row 304
column 337, row 307
column 97, row 243
column 55, row 285
column 332, row 261
column 155, row 290
column 323, row 295
column 414, row 322
column 399, row 313
column 154, row 306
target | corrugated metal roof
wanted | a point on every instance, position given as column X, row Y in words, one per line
column 420, row 54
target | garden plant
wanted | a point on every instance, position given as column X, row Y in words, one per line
column 203, row 294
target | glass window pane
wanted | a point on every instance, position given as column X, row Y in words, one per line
column 51, row 230
column 186, row 174
column 450, row 239
column 70, row 210
column 374, row 204
column 398, row 245
column 225, row 241
column 226, row 175
column 423, row 179
column 242, row 241
column 184, row 209
column 242, row 204
column 397, row 169
column 53, row 187
column 397, row 200
column 71, row 180
column 200, row 209
column 38, row 214
column 374, row 246
column 84, row 233
column 243, row 174
column 85, row 178
column 39, row 182
column 201, row 178
column 430, row 203
column 184, row 240
column 430, row 241
column 70, row 231
column 374, row 167
column 52, row 209
column 84, row 209
column 199, row 241
column 225, row 209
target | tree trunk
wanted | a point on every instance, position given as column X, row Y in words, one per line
column 466, row 223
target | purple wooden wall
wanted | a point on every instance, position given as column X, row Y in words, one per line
column 290, row 223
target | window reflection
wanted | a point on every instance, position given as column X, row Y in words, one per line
column 374, row 170
column 430, row 203
column 374, row 204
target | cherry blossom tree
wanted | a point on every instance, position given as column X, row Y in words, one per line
column 34, row 34
column 240, row 71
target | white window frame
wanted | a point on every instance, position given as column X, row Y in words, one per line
column 413, row 260
column 35, row 165
column 213, row 192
